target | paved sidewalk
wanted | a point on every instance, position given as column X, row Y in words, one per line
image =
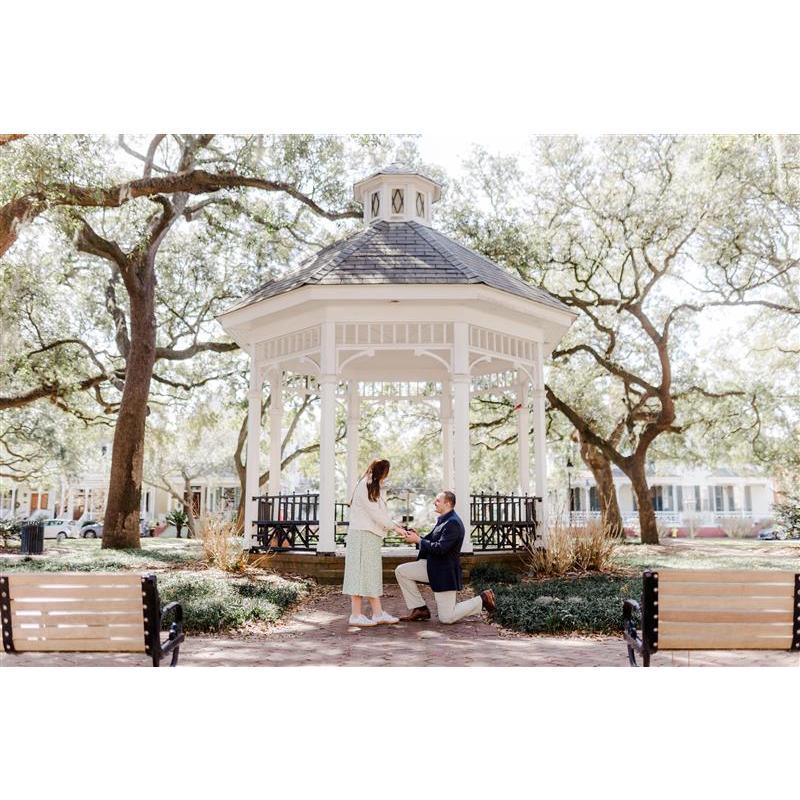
column 317, row 634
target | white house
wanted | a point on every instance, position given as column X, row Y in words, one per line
column 682, row 496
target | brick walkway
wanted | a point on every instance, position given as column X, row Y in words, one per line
column 317, row 634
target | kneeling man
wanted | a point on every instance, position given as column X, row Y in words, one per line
column 439, row 564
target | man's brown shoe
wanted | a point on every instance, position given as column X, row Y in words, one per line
column 420, row 614
column 487, row 598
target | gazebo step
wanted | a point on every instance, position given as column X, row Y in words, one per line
column 329, row 569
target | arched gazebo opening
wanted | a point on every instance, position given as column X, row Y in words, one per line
column 398, row 302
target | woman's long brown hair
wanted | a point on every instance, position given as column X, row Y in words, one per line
column 377, row 470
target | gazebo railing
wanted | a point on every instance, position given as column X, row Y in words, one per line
column 503, row 521
column 291, row 522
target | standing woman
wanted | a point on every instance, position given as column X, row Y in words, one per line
column 363, row 569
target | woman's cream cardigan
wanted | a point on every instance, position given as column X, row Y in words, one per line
column 366, row 515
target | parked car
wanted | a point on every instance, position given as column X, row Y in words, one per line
column 774, row 532
column 91, row 529
column 59, row 529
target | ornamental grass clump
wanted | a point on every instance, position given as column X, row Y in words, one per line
column 222, row 548
column 572, row 550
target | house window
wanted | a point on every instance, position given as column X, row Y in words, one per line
column 575, row 499
column 730, row 498
column 420, row 204
column 657, row 497
column 748, row 499
column 679, row 499
column 716, row 494
column 147, row 502
column 397, row 201
column 594, row 499
column 375, row 205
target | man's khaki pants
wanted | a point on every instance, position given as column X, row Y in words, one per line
column 413, row 572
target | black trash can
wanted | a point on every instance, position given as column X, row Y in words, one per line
column 32, row 539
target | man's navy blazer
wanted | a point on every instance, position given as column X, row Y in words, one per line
column 441, row 548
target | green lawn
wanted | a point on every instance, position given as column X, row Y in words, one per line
column 86, row 555
column 710, row 554
column 212, row 600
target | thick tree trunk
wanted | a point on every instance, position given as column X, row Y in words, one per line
column 647, row 515
column 606, row 491
column 121, row 523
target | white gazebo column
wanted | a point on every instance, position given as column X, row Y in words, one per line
column 275, row 432
column 353, row 420
column 446, row 414
column 461, row 387
column 253, row 464
column 327, row 440
column 523, row 440
column 539, row 442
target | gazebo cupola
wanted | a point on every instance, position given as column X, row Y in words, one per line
column 402, row 305
column 397, row 193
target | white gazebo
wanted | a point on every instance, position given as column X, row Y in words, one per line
column 398, row 301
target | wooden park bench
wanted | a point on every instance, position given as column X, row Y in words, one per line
column 713, row 610
column 87, row 612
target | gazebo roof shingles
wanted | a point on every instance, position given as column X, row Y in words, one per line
column 399, row 253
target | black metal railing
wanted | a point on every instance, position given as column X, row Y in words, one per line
column 291, row 522
column 502, row 521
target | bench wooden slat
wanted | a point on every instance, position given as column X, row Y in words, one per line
column 75, row 592
column 724, row 576
column 700, row 615
column 77, row 605
column 82, row 645
column 74, row 579
column 724, row 642
column 68, row 618
column 52, row 633
column 726, row 589
column 727, row 603
column 714, row 629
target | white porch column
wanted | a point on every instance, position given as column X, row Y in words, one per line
column 353, row 420
column 253, row 464
column 446, row 414
column 327, row 440
column 738, row 498
column 539, row 443
column 523, row 434
column 461, row 386
column 275, row 432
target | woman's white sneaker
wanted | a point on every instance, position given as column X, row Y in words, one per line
column 384, row 619
column 361, row 620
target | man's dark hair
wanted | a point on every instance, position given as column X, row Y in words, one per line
column 450, row 497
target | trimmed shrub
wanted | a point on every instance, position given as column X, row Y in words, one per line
column 587, row 604
column 492, row 573
column 218, row 603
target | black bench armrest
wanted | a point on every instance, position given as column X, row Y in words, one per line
column 631, row 634
column 175, row 635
